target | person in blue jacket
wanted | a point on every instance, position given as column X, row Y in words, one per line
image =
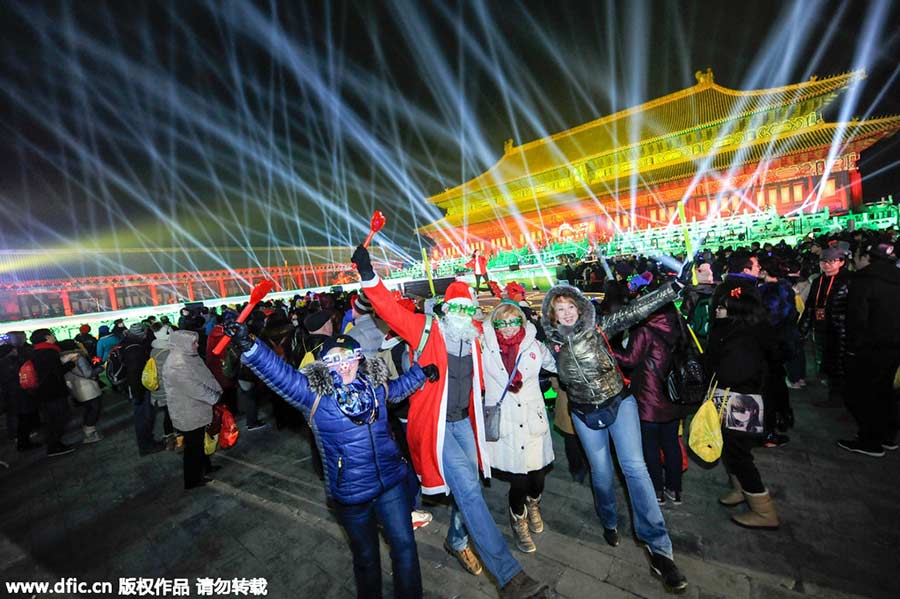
column 343, row 397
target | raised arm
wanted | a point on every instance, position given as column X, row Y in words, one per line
column 639, row 309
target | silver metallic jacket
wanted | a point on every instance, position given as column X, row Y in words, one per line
column 583, row 361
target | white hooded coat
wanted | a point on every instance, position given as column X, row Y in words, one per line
column 525, row 444
column 191, row 389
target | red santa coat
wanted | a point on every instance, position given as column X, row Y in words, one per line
column 427, row 423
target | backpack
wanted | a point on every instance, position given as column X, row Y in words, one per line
column 115, row 366
column 686, row 381
column 700, row 318
column 150, row 375
column 28, row 376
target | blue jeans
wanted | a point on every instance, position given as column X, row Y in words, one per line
column 144, row 420
column 626, row 434
column 390, row 509
column 470, row 512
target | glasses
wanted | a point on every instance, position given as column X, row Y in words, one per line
column 460, row 309
column 342, row 357
column 504, row 324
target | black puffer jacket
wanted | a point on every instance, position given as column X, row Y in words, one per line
column 586, row 369
column 831, row 333
column 873, row 309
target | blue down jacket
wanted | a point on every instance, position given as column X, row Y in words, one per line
column 361, row 460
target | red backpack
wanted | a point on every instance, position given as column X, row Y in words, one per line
column 28, row 376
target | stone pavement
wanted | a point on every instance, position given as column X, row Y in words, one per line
column 103, row 513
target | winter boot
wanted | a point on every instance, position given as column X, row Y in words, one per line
column 91, row 434
column 736, row 495
column 535, row 521
column 522, row 586
column 520, row 530
column 762, row 512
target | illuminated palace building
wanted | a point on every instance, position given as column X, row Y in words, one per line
column 724, row 152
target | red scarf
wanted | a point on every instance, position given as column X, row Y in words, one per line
column 509, row 350
column 45, row 345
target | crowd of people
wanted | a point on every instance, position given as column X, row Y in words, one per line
column 400, row 398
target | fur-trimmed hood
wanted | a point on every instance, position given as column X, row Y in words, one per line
column 586, row 314
column 322, row 380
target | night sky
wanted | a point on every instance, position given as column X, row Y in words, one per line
column 197, row 124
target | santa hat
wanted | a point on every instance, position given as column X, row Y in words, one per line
column 84, row 329
column 515, row 291
column 459, row 293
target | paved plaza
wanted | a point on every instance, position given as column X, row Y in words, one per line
column 103, row 513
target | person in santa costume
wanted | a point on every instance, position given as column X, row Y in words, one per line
column 446, row 425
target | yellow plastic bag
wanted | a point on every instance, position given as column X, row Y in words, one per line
column 150, row 376
column 706, row 430
column 210, row 443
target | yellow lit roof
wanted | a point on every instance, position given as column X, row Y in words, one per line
column 701, row 105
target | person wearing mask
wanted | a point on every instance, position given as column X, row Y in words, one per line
column 345, row 403
column 603, row 408
column 446, row 426
column 191, row 392
column 513, row 359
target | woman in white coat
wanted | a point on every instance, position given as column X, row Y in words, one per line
column 191, row 391
column 512, row 361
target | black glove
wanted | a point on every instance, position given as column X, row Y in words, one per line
column 431, row 373
column 240, row 335
column 363, row 263
column 687, row 274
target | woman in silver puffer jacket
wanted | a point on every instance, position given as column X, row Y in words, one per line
column 602, row 406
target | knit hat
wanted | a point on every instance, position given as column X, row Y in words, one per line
column 104, row 330
column 341, row 341
column 84, row 329
column 39, row 336
column 361, row 304
column 315, row 321
column 459, row 293
column 704, row 274
column 515, row 291
column 137, row 330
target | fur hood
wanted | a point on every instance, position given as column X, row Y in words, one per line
column 322, row 382
column 586, row 314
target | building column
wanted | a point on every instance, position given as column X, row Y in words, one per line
column 154, row 295
column 66, row 303
column 113, row 302
column 190, row 290
column 222, row 288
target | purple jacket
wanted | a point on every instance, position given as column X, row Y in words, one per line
column 649, row 358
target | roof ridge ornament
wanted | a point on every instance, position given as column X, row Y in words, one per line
column 507, row 147
column 705, row 78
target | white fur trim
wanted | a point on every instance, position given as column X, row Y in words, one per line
column 370, row 282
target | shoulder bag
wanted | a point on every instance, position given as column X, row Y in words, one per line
column 492, row 413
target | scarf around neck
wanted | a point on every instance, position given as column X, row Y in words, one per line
column 509, row 350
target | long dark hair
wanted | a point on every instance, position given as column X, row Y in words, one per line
column 745, row 309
